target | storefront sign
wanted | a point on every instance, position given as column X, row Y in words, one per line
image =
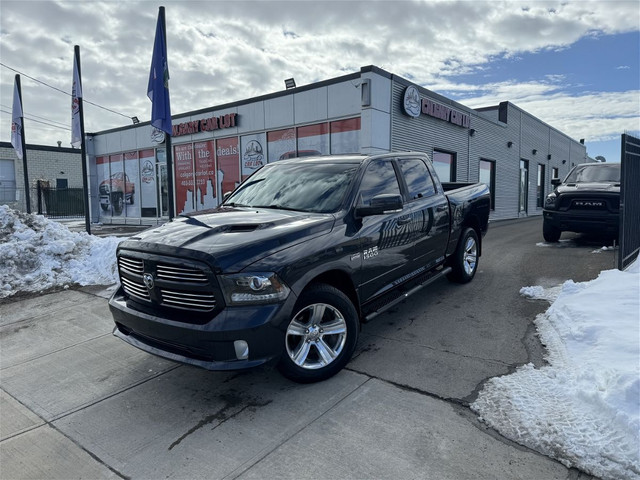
column 414, row 106
column 205, row 125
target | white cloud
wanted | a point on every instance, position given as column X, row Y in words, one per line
column 221, row 52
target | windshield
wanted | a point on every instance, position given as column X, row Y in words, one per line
column 306, row 187
column 594, row 173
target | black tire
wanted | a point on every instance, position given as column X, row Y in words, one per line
column 104, row 207
column 464, row 262
column 311, row 354
column 118, row 203
column 550, row 233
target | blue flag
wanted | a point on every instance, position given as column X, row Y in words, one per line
column 158, row 89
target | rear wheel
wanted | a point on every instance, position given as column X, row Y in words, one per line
column 550, row 233
column 321, row 336
column 464, row 263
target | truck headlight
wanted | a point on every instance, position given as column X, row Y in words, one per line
column 253, row 288
column 550, row 201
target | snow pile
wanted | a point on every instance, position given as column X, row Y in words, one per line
column 37, row 254
column 584, row 407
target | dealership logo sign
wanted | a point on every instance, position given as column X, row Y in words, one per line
column 157, row 135
column 205, row 125
column 411, row 102
column 414, row 106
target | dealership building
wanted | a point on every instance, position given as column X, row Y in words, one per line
column 370, row 111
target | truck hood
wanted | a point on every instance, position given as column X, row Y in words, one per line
column 232, row 238
column 588, row 187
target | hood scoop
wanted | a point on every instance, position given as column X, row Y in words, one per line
column 240, row 228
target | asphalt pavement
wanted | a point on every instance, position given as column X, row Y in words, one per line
column 76, row 402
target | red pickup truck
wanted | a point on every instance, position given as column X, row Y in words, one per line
column 115, row 191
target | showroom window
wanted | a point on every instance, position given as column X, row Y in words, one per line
column 523, row 204
column 487, row 175
column 444, row 164
column 540, row 186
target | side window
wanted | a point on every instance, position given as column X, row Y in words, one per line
column 418, row 178
column 380, row 178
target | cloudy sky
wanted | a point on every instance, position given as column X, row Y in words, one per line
column 573, row 64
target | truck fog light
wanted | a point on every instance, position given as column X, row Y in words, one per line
column 242, row 349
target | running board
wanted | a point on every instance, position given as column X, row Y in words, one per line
column 405, row 295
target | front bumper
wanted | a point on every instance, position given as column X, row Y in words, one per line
column 604, row 223
column 209, row 345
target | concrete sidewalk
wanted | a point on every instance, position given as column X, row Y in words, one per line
column 75, row 402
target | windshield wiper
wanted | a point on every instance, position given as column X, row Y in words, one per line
column 232, row 204
column 277, row 207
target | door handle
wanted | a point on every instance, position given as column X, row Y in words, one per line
column 404, row 220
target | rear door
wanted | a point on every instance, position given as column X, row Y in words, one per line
column 430, row 209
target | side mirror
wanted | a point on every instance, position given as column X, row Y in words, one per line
column 555, row 182
column 380, row 204
column 225, row 196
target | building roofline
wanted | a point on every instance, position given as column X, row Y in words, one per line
column 44, row 148
column 246, row 101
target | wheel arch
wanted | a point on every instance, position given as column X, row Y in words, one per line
column 340, row 280
column 474, row 222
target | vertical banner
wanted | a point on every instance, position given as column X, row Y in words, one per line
column 345, row 136
column 313, row 140
column 228, row 156
column 16, row 121
column 148, row 191
column 185, row 183
column 281, row 144
column 158, row 93
column 253, row 153
column 205, row 175
column 158, row 86
column 76, row 95
column 131, row 184
column 102, row 167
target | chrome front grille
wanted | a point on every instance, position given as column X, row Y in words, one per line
column 131, row 265
column 196, row 301
column 135, row 289
column 181, row 274
column 170, row 284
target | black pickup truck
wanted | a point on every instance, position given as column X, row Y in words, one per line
column 587, row 201
column 294, row 261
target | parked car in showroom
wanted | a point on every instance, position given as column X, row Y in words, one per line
column 586, row 201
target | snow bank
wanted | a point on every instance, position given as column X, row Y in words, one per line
column 584, row 407
column 37, row 254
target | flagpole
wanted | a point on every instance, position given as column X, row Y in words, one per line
column 83, row 150
column 27, row 195
column 169, row 152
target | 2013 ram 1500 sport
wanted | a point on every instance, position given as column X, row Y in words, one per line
column 294, row 261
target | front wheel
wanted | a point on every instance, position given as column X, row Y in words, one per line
column 550, row 233
column 464, row 262
column 321, row 336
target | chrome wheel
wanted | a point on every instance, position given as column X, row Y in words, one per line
column 316, row 336
column 464, row 262
column 470, row 255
